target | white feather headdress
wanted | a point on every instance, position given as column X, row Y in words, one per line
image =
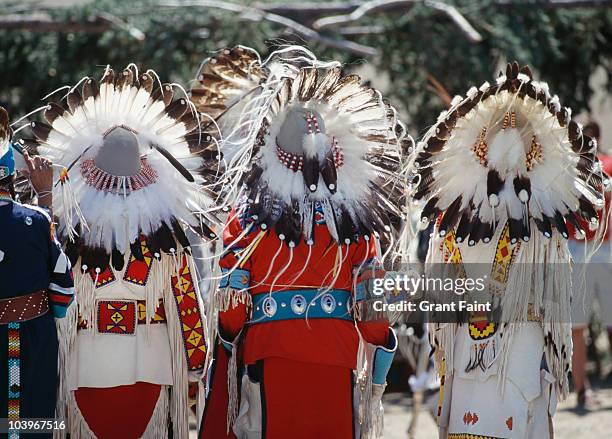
column 358, row 156
column 508, row 150
column 106, row 214
column 503, row 173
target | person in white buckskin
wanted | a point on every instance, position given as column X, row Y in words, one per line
column 503, row 172
column 126, row 200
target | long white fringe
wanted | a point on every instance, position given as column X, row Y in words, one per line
column 76, row 422
column 232, row 387
column 66, row 335
column 179, row 401
column 158, row 424
column 540, row 279
column 541, row 276
column 363, row 381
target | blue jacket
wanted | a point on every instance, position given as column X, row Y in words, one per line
column 31, row 258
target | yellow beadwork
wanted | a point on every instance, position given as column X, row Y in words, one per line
column 534, row 155
column 481, row 148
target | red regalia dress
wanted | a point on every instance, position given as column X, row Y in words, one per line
column 306, row 367
column 294, row 357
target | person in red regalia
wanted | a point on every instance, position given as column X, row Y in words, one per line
column 300, row 353
column 591, row 256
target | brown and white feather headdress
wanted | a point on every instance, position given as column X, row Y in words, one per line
column 508, row 150
column 225, row 78
column 348, row 163
column 107, row 213
column 502, row 173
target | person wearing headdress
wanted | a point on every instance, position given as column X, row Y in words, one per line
column 36, row 287
column 311, row 159
column 127, row 201
column 502, row 173
column 591, row 283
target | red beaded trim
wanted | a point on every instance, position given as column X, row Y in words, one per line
column 292, row 161
column 103, row 181
column 296, row 162
column 338, row 154
column 313, row 124
column 125, row 127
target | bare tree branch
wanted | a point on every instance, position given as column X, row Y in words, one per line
column 310, row 9
column 361, row 30
column 439, row 89
column 254, row 14
column 41, row 22
column 452, row 13
column 374, row 6
column 120, row 24
column 557, row 4
column 303, row 20
column 365, row 8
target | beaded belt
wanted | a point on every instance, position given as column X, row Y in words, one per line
column 301, row 304
column 22, row 308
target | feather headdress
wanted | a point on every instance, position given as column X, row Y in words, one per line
column 503, row 172
column 508, row 150
column 225, row 79
column 343, row 155
column 130, row 149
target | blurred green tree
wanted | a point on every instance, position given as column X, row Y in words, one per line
column 416, row 44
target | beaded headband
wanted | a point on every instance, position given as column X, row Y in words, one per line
column 118, row 184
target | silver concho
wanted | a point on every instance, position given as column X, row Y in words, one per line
column 298, row 304
column 269, row 306
column 328, row 303
column 28, row 220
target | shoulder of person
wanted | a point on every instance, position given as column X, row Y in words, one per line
column 36, row 213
